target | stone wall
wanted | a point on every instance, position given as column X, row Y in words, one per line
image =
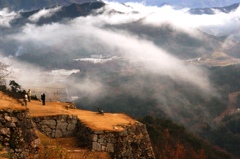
column 57, row 126
column 132, row 142
column 18, row 134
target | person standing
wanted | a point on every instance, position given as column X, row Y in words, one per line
column 29, row 95
column 43, row 98
column 25, row 99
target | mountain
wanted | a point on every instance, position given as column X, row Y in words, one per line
column 71, row 11
column 167, row 37
column 188, row 46
column 214, row 10
column 37, row 4
column 186, row 3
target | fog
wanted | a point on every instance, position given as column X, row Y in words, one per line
column 6, row 16
column 69, row 36
column 119, row 43
column 44, row 13
column 91, row 35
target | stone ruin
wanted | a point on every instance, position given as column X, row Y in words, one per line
column 18, row 135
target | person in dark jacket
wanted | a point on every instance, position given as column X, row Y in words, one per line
column 29, row 94
column 43, row 98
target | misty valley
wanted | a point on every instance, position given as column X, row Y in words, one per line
column 175, row 70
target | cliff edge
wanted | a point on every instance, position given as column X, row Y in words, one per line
column 116, row 134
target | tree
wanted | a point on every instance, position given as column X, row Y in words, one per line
column 15, row 91
column 15, row 87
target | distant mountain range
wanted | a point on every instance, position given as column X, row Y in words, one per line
column 213, row 10
column 37, row 4
column 182, row 45
column 161, row 36
column 197, row 7
column 72, row 11
column 185, row 3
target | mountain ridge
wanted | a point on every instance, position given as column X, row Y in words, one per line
column 186, row 3
column 213, row 10
column 34, row 5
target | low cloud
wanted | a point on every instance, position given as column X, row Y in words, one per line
column 217, row 24
column 74, row 36
column 6, row 16
column 89, row 34
column 44, row 13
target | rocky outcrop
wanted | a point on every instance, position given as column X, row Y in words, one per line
column 17, row 133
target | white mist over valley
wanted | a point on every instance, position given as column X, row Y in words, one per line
column 175, row 61
column 158, row 50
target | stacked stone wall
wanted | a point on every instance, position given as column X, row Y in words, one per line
column 57, row 126
column 18, row 134
column 132, row 142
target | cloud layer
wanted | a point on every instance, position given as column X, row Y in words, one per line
column 91, row 35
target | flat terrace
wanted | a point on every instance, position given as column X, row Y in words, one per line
column 94, row 120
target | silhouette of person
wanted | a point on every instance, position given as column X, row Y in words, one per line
column 23, row 93
column 43, row 98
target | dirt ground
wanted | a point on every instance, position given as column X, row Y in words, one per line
column 74, row 148
column 94, row 120
column 8, row 102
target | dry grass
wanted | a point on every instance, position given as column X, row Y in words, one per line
column 4, row 154
column 9, row 102
column 108, row 121
column 50, row 149
column 66, row 148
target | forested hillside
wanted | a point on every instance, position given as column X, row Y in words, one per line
column 135, row 94
column 171, row 140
